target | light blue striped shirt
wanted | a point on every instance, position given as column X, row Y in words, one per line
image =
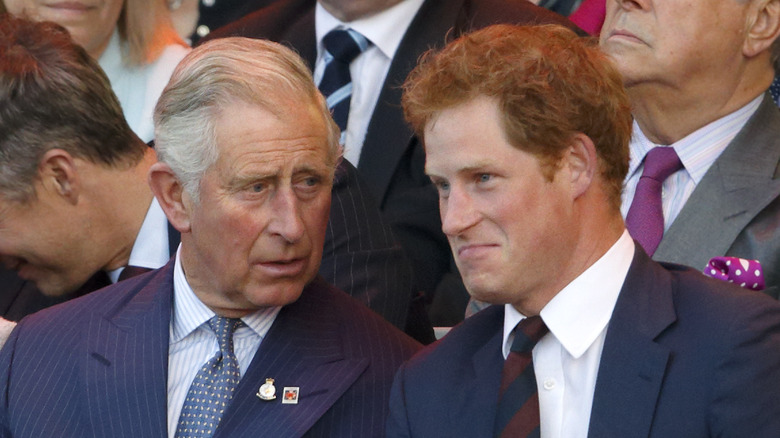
column 697, row 151
column 192, row 342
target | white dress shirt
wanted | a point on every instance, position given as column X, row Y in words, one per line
column 139, row 87
column 385, row 30
column 566, row 360
column 150, row 249
column 697, row 151
column 192, row 342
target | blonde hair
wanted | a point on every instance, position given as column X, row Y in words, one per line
column 146, row 27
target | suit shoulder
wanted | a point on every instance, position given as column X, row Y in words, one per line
column 697, row 296
column 480, row 332
column 75, row 312
column 360, row 325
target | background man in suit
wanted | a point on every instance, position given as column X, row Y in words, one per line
column 526, row 132
column 698, row 83
column 247, row 154
column 377, row 139
column 76, row 203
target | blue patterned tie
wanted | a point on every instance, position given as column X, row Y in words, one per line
column 342, row 47
column 213, row 386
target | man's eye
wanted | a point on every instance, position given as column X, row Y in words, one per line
column 257, row 187
column 484, row 177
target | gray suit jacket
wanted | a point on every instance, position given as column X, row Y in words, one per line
column 735, row 209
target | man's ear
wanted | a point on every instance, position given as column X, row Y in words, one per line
column 763, row 26
column 171, row 195
column 59, row 175
column 581, row 163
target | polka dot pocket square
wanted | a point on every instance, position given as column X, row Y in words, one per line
column 746, row 273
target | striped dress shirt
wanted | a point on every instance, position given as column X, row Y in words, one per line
column 697, row 151
column 192, row 342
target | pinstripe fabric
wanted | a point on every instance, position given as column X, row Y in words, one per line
column 96, row 367
column 361, row 255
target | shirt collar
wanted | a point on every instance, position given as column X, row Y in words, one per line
column 385, row 29
column 698, row 150
column 189, row 312
column 595, row 290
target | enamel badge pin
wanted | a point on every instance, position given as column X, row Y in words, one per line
column 267, row 390
column 290, row 395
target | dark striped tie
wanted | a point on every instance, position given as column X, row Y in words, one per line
column 342, row 46
column 518, row 401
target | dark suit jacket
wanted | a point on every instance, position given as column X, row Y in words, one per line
column 735, row 209
column 392, row 160
column 97, row 367
column 684, row 356
column 360, row 257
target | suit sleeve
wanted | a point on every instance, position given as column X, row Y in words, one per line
column 747, row 379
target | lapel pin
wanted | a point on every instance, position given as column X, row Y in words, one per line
column 290, row 395
column 267, row 390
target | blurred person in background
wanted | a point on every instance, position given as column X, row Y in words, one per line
column 134, row 42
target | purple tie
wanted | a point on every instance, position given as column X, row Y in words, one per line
column 645, row 218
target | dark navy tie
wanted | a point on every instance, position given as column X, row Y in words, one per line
column 342, row 47
column 213, row 386
column 517, row 415
column 645, row 217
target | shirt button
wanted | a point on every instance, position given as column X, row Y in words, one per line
column 202, row 30
column 209, row 3
column 549, row 384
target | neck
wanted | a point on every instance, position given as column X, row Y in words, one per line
column 599, row 231
column 123, row 217
column 667, row 114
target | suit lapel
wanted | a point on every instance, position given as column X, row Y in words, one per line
column 388, row 135
column 740, row 183
column 303, row 349
column 632, row 364
column 475, row 406
column 126, row 371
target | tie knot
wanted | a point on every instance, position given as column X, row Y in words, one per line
column 224, row 328
column 661, row 162
column 527, row 333
column 345, row 44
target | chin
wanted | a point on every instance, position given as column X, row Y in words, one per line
column 273, row 296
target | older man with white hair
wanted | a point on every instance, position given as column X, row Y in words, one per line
column 237, row 334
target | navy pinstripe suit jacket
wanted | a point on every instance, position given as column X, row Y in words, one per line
column 96, row 366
